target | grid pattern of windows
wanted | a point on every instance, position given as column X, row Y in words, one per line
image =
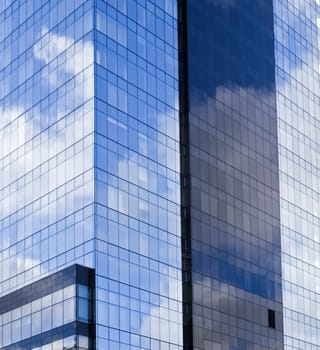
column 50, row 312
column 137, row 180
column 67, row 343
column 46, row 157
column 46, row 138
column 41, row 315
column 235, row 226
column 89, row 148
column 297, row 30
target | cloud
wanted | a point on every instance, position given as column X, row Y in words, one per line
column 19, row 125
column 162, row 323
column 52, row 45
column 11, row 141
column 79, row 56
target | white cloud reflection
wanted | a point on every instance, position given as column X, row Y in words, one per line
column 162, row 323
column 78, row 56
column 19, row 126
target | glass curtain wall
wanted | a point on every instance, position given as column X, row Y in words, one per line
column 297, row 32
column 137, row 175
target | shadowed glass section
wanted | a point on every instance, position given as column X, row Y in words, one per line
column 234, row 187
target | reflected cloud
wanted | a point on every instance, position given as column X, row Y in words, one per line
column 27, row 263
column 233, row 162
column 162, row 323
column 78, row 58
column 7, row 115
column 50, row 45
column 18, row 126
column 11, row 142
column 298, row 111
column 149, row 165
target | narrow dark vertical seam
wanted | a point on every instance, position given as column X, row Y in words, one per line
column 92, row 301
column 185, row 177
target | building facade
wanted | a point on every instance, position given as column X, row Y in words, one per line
column 297, row 84
column 159, row 174
column 90, row 172
column 234, row 187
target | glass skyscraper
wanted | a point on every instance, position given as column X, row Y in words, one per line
column 159, row 174
column 90, row 174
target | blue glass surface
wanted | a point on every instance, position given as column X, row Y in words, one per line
column 46, row 132
column 89, row 159
column 137, row 181
column 297, row 76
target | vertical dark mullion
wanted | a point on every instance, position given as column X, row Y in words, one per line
column 185, row 177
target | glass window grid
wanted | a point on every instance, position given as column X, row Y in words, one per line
column 157, row 27
column 49, row 312
column 235, row 227
column 66, row 343
column 39, row 316
column 127, row 236
column 297, row 76
column 43, row 139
